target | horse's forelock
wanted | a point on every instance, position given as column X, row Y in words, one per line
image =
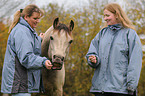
column 64, row 27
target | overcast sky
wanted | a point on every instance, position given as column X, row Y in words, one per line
column 68, row 3
column 76, row 3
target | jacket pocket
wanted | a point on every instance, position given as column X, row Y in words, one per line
column 34, row 80
column 123, row 49
column 121, row 72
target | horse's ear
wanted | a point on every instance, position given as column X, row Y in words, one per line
column 55, row 23
column 71, row 25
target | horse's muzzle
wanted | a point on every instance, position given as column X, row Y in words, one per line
column 57, row 62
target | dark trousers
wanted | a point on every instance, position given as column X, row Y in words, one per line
column 111, row 94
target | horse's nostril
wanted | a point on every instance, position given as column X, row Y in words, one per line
column 54, row 56
column 62, row 58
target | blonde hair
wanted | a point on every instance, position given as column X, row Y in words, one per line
column 122, row 17
column 28, row 10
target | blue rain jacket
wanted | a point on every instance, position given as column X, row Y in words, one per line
column 22, row 64
column 119, row 60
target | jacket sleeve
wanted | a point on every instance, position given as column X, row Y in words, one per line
column 135, row 60
column 93, row 50
column 24, row 46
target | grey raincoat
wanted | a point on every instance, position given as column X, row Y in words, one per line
column 22, row 64
column 119, row 60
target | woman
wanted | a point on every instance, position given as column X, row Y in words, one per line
column 21, row 73
column 116, row 55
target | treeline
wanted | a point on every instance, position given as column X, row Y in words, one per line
column 88, row 22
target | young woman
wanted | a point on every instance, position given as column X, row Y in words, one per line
column 21, row 73
column 116, row 55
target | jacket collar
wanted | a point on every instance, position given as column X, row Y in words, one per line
column 25, row 23
column 115, row 27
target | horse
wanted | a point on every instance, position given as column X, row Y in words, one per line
column 55, row 45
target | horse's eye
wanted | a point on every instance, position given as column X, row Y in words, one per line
column 51, row 37
column 70, row 41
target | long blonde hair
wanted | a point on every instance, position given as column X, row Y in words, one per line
column 28, row 10
column 122, row 17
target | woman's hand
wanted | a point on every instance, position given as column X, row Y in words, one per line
column 93, row 59
column 48, row 64
column 41, row 35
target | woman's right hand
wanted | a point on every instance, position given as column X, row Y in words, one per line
column 48, row 64
column 93, row 59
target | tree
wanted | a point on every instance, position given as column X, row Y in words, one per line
column 9, row 7
column 50, row 13
column 136, row 12
column 3, row 39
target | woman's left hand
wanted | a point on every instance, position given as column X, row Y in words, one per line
column 93, row 59
column 41, row 35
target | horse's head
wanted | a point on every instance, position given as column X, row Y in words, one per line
column 59, row 41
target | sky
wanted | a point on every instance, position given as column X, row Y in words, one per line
column 68, row 3
column 76, row 3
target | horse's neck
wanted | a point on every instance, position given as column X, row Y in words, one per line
column 47, row 34
column 45, row 41
column 49, row 31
